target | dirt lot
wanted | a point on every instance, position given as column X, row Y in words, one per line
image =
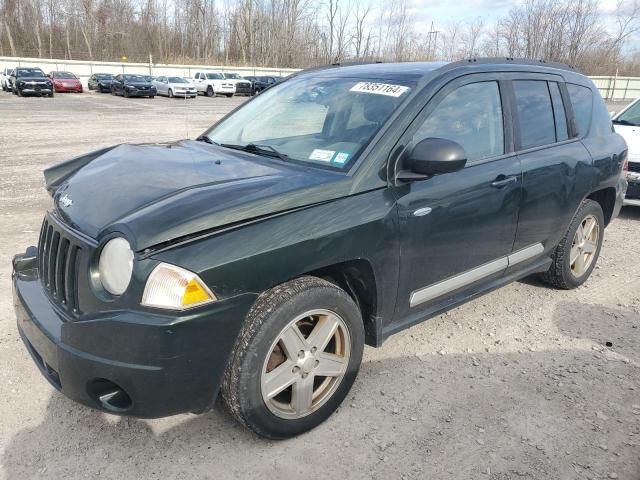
column 525, row 383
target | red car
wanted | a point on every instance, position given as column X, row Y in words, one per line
column 65, row 82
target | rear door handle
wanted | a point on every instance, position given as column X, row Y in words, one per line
column 502, row 181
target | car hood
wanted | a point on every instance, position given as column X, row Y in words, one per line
column 631, row 134
column 159, row 193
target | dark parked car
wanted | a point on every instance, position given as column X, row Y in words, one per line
column 30, row 81
column 129, row 85
column 65, row 82
column 258, row 84
column 335, row 209
column 100, row 82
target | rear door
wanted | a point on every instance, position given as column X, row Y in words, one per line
column 557, row 168
column 457, row 229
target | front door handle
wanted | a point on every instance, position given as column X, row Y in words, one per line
column 502, row 181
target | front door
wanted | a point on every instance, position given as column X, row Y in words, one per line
column 458, row 229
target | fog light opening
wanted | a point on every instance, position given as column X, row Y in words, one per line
column 109, row 395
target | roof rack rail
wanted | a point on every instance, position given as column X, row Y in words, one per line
column 514, row 60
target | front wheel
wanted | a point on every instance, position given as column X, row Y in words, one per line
column 295, row 359
column 229, row 95
column 170, row 93
column 210, row 92
column 576, row 255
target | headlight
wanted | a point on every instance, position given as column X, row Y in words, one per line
column 175, row 288
column 115, row 266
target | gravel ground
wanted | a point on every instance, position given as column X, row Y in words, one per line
column 524, row 383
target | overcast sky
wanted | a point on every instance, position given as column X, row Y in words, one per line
column 441, row 12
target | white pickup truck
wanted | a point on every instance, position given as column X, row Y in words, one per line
column 213, row 83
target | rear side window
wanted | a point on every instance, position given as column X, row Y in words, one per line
column 470, row 115
column 582, row 103
column 558, row 112
column 535, row 112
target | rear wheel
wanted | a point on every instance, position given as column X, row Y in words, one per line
column 210, row 92
column 295, row 359
column 576, row 255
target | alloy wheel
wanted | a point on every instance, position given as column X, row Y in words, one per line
column 305, row 364
column 584, row 246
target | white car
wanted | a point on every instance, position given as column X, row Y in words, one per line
column 243, row 86
column 627, row 124
column 5, row 75
column 213, row 83
column 175, row 87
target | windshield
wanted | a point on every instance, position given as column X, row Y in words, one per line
column 215, row 76
column 134, row 78
column 321, row 121
column 29, row 72
column 104, row 76
column 235, row 76
column 65, row 75
column 177, row 80
column 630, row 116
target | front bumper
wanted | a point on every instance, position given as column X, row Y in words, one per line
column 185, row 93
column 28, row 90
column 632, row 196
column 70, row 88
column 165, row 364
column 135, row 92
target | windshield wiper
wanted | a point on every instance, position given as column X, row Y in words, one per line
column 205, row 139
column 260, row 149
column 625, row 122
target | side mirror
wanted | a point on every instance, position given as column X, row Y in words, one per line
column 432, row 156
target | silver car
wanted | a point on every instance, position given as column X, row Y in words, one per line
column 175, row 87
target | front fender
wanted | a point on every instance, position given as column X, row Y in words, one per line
column 258, row 256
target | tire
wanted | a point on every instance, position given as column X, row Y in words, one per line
column 151, row 97
column 229, row 95
column 210, row 92
column 125, row 93
column 20, row 94
column 565, row 273
column 275, row 311
column 113, row 92
column 170, row 93
column 51, row 95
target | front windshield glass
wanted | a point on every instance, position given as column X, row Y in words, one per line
column 29, row 72
column 235, row 76
column 215, row 76
column 320, row 121
column 631, row 116
column 134, row 78
column 65, row 75
column 177, row 80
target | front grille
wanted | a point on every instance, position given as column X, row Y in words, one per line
column 58, row 257
column 634, row 167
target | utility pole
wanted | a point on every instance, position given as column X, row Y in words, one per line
column 432, row 46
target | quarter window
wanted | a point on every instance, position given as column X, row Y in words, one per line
column 582, row 103
column 558, row 112
column 471, row 116
column 535, row 113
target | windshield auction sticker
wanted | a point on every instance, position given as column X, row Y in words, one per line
column 380, row 88
column 322, row 155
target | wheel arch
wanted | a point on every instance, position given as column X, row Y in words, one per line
column 606, row 198
column 358, row 279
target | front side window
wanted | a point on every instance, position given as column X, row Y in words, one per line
column 321, row 121
column 535, row 112
column 582, row 103
column 471, row 116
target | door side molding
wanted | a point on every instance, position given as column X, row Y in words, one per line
column 470, row 276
